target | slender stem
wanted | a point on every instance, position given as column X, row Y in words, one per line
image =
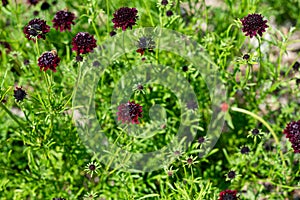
column 149, row 12
column 96, row 31
column 260, row 72
column 107, row 12
column 13, row 117
column 264, row 123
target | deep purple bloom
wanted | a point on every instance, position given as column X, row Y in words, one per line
column 83, row 43
column 201, row 140
column 4, row 3
column 169, row 13
column 164, row 2
column 63, row 20
column 255, row 131
column 48, row 60
column 33, row 2
column 246, row 56
column 19, row 94
column 292, row 132
column 231, row 174
column 245, row 150
column 185, row 68
column 125, row 18
column 36, row 28
column 254, row 24
column 112, row 33
column 228, row 195
column 129, row 112
column 45, row 6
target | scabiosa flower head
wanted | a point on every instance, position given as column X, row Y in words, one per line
column 246, row 56
column 125, row 18
column 92, row 167
column 255, row 131
column 201, row 140
column 129, row 112
column 292, row 132
column 228, row 195
column 48, row 60
column 63, row 20
column 36, row 28
column 45, row 6
column 83, row 43
column 254, row 24
column 296, row 66
column 33, row 2
column 169, row 13
column 145, row 43
column 4, row 3
column 245, row 150
column 231, row 174
column 164, row 2
column 19, row 94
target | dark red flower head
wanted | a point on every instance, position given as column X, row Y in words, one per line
column 36, row 28
column 19, row 94
column 63, row 20
column 83, row 43
column 48, row 60
column 4, row 3
column 125, row 17
column 33, row 2
column 292, row 132
column 228, row 195
column 129, row 112
column 253, row 24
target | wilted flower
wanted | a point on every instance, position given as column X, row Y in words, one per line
column 36, row 28
column 63, row 20
column 45, row 6
column 245, row 150
column 129, row 112
column 292, row 132
column 83, row 43
column 169, row 13
column 125, row 18
column 228, row 195
column 254, row 24
column 164, row 2
column 246, row 56
column 19, row 94
column 48, row 60
column 145, row 43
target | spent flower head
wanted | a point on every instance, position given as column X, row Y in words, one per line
column 63, row 20
column 292, row 132
column 48, row 60
column 125, row 18
column 90, row 195
column 36, row 28
column 254, row 24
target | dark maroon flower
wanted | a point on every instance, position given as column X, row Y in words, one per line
column 231, row 174
column 19, row 94
column 164, row 2
column 125, row 18
column 92, row 167
column 169, row 13
column 112, row 33
column 26, row 62
column 33, row 2
column 49, row 60
column 255, row 131
column 83, row 43
column 185, row 68
column 296, row 66
column 201, row 140
column 4, row 3
column 63, row 20
column 246, row 56
column 79, row 58
column 292, row 132
column 129, row 112
column 6, row 46
column 228, row 195
column 253, row 24
column 45, row 6
column 245, row 150
column 189, row 161
column 36, row 28
column 35, row 13
column 145, row 43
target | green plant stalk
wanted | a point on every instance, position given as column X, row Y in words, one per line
column 264, row 123
column 13, row 117
column 149, row 12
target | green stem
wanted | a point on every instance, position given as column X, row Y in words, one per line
column 13, row 117
column 260, row 72
column 107, row 12
column 96, row 31
column 149, row 12
column 266, row 125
